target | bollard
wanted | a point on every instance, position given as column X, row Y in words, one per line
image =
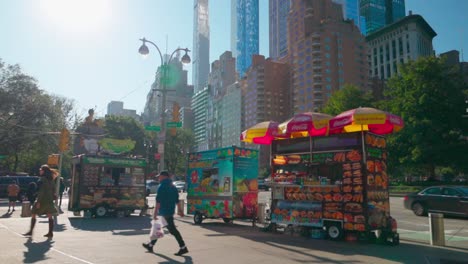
column 181, row 206
column 261, row 213
column 25, row 209
column 436, row 229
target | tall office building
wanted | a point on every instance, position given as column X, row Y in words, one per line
column 201, row 44
column 407, row 39
column 278, row 21
column 223, row 74
column 379, row 13
column 325, row 52
column 351, row 11
column 199, row 111
column 244, row 33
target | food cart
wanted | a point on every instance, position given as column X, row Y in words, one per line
column 222, row 183
column 102, row 185
column 335, row 183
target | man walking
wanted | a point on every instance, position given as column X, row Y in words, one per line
column 13, row 191
column 166, row 200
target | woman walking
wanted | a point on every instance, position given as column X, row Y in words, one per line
column 45, row 199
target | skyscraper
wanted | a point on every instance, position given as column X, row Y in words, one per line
column 201, row 44
column 325, row 53
column 351, row 11
column 278, row 21
column 244, row 32
column 379, row 13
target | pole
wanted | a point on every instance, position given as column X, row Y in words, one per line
column 57, row 187
column 161, row 150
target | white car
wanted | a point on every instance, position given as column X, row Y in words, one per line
column 151, row 186
column 180, row 185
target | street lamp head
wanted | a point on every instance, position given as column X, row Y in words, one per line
column 186, row 58
column 143, row 50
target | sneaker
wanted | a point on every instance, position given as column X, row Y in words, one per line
column 148, row 247
column 181, row 251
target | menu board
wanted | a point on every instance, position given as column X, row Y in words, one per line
column 91, row 175
column 353, row 184
column 377, row 180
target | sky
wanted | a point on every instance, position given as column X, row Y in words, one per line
column 87, row 50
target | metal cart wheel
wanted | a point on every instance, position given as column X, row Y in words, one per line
column 197, row 218
column 334, row 232
column 100, row 210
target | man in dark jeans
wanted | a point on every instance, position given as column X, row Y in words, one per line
column 166, row 200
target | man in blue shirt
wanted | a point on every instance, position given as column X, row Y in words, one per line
column 166, row 200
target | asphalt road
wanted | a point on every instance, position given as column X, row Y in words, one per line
column 118, row 240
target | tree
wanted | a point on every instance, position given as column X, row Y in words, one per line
column 27, row 116
column 347, row 98
column 430, row 97
column 176, row 149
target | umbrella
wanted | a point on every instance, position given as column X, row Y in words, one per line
column 261, row 133
column 366, row 119
column 307, row 124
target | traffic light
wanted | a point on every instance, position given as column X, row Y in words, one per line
column 175, row 112
column 64, row 140
column 175, row 117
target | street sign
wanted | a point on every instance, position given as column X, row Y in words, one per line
column 174, row 124
column 153, row 128
column 3, row 157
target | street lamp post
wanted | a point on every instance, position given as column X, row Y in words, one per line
column 143, row 50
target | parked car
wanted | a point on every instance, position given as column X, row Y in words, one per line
column 22, row 181
column 180, row 185
column 151, row 187
column 452, row 200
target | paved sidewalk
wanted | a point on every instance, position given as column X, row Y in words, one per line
column 118, row 240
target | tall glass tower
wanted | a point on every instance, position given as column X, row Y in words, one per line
column 244, row 33
column 201, row 45
column 278, row 20
column 379, row 13
column 351, row 11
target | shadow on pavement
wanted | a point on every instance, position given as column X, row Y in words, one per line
column 36, row 250
column 404, row 253
column 125, row 226
column 187, row 259
column 7, row 214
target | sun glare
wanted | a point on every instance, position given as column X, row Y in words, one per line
column 77, row 15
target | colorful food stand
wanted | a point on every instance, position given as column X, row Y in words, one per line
column 330, row 173
column 105, row 184
column 324, row 182
column 222, row 183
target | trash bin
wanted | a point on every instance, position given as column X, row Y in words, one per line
column 181, row 206
column 436, row 228
column 25, row 209
column 261, row 210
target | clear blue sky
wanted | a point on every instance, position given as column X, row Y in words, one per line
column 86, row 50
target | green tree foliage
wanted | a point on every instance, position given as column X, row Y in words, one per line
column 27, row 117
column 122, row 127
column 176, row 149
column 429, row 96
column 349, row 97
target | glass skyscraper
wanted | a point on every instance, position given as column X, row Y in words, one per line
column 244, row 33
column 379, row 13
column 278, row 21
column 201, row 45
column 351, row 11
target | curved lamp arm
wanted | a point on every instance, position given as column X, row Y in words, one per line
column 144, row 49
